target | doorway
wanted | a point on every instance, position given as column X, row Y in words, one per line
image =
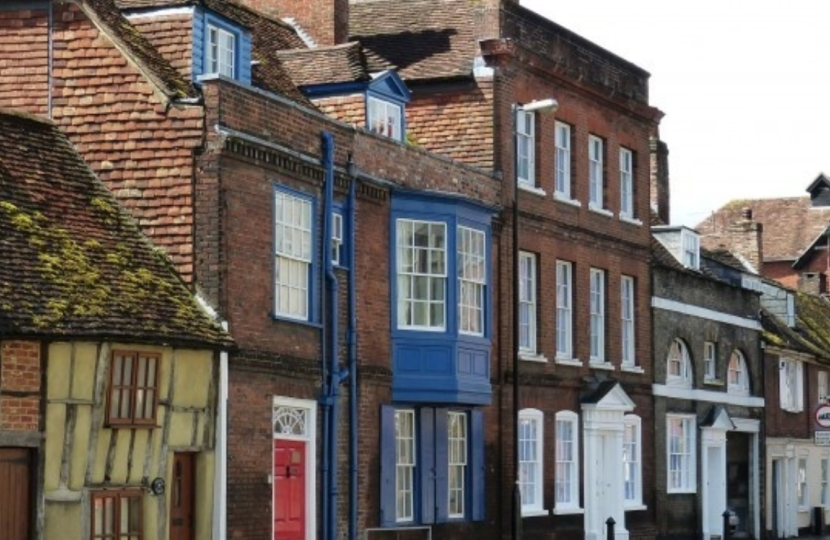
column 738, row 476
column 289, row 489
column 16, row 493
column 182, row 507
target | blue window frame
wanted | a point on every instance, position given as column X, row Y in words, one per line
column 220, row 47
column 295, row 264
column 421, row 458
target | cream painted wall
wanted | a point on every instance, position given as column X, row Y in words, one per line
column 83, row 455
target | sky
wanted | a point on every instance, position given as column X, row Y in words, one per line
column 744, row 85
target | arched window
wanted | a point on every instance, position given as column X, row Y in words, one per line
column 678, row 365
column 737, row 378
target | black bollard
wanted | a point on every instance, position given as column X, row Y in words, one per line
column 726, row 527
column 610, row 524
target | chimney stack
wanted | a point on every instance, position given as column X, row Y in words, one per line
column 745, row 237
column 660, row 199
column 326, row 21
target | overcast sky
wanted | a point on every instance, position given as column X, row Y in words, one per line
column 743, row 85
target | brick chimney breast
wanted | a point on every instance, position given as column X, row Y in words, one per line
column 326, row 21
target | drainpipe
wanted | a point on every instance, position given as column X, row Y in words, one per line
column 221, row 468
column 352, row 343
column 325, row 402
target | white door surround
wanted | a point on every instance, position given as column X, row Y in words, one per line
column 602, row 427
column 296, row 420
column 713, row 467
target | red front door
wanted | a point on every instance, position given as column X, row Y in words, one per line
column 182, row 495
column 289, row 490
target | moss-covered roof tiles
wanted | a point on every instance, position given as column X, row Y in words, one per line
column 811, row 333
column 72, row 261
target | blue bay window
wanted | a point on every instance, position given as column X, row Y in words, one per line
column 220, row 47
column 441, row 301
column 432, row 465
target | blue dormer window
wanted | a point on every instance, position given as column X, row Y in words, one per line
column 385, row 118
column 221, row 51
column 220, row 47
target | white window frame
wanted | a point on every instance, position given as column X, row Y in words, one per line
column 678, row 356
column 293, row 246
column 526, row 148
column 595, row 172
column 626, row 183
column 690, row 248
column 710, row 361
column 220, row 57
column 791, row 385
column 562, row 142
column 825, row 484
column 632, row 461
column 821, row 386
column 566, row 475
column 471, row 245
column 597, row 309
column 385, row 118
column 405, row 464
column 802, row 485
column 531, row 481
column 564, row 310
column 790, row 309
column 457, row 443
column 681, row 474
column 336, row 237
column 627, row 327
column 737, row 375
column 527, row 302
column 408, row 303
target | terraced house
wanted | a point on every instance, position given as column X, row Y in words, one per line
column 356, row 273
column 109, row 368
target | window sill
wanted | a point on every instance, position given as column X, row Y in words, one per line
column 635, row 507
column 713, row 382
column 687, row 491
column 562, row 361
column 567, row 200
column 567, row 511
column 600, row 211
column 529, row 357
column 631, row 221
column 608, row 366
column 535, row 512
column 802, row 509
column 632, row 369
column 678, row 383
column 283, row 318
column 532, row 189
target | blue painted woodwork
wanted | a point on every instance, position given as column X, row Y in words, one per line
column 242, row 61
column 441, row 366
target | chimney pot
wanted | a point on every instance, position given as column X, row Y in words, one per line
column 746, row 213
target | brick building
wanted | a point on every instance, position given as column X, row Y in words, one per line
column 354, row 271
column 708, row 391
column 796, row 363
column 794, row 248
column 109, row 368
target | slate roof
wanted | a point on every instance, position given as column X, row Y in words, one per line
column 423, row 39
column 791, row 224
column 811, row 333
column 152, row 63
column 709, row 260
column 326, row 65
column 268, row 36
column 73, row 262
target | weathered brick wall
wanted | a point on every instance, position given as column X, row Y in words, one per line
column 136, row 142
column 781, row 423
column 326, row 21
column 20, row 385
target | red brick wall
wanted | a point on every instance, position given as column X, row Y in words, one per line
column 122, row 127
column 20, row 384
column 781, row 423
column 326, row 21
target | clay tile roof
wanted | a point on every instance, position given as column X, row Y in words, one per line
column 423, row 39
column 724, row 257
column 791, row 225
column 74, row 263
column 337, row 64
column 153, row 64
column 268, row 36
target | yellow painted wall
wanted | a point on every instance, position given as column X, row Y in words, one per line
column 100, row 458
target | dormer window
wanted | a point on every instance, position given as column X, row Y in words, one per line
column 385, row 118
column 221, row 51
column 691, row 249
